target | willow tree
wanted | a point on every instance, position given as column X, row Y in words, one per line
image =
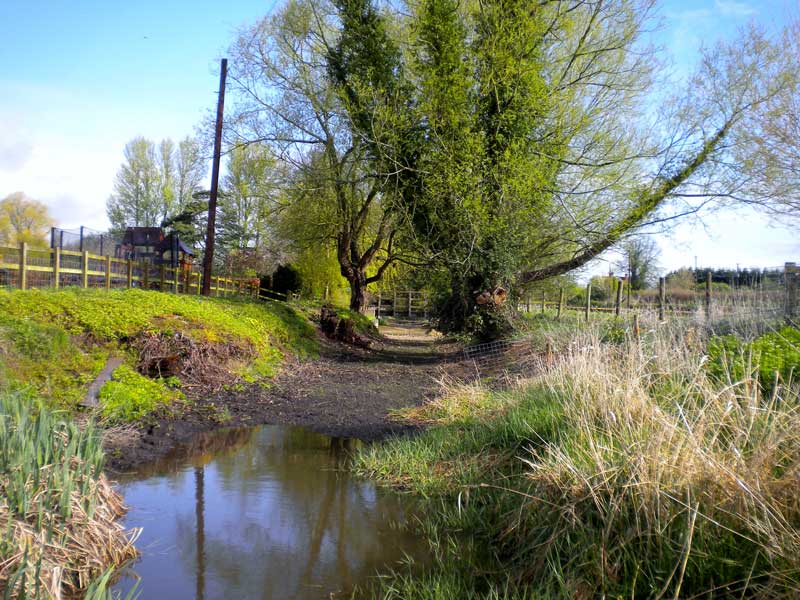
column 286, row 100
column 530, row 144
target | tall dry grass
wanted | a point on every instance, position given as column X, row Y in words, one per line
column 664, row 482
column 628, row 469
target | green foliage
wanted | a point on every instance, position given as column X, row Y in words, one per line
column 286, row 280
column 58, row 341
column 363, row 323
column 129, row 396
column 775, row 355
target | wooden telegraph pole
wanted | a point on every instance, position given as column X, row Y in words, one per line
column 208, row 259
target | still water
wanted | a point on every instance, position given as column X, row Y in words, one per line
column 267, row 512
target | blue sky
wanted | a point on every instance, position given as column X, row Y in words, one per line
column 80, row 78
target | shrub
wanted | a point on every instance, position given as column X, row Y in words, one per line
column 130, row 396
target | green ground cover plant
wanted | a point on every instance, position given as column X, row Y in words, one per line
column 626, row 471
column 774, row 356
column 56, row 342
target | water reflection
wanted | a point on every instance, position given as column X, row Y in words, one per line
column 261, row 513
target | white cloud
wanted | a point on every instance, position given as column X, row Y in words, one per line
column 732, row 8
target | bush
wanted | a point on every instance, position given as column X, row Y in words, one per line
column 774, row 354
column 286, row 280
column 130, row 396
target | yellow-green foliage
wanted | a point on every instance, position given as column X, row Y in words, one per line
column 58, row 341
column 130, row 396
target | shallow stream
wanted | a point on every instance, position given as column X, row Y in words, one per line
column 268, row 512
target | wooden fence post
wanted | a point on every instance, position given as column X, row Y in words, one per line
column 377, row 309
column 708, row 296
column 544, row 302
column 618, row 303
column 162, row 277
column 145, row 275
column 560, row 303
column 57, row 267
column 130, row 273
column 108, row 272
column 85, row 269
column 199, row 283
column 628, row 289
column 23, row 266
column 662, row 297
column 528, row 303
column 791, row 274
column 588, row 300
column 187, row 280
column 636, row 331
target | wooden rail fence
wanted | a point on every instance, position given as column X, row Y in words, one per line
column 26, row 268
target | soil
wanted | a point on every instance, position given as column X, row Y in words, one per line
column 346, row 392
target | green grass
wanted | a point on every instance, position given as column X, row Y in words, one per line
column 57, row 342
column 626, row 471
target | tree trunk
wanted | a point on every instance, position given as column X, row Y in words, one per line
column 460, row 313
column 358, row 292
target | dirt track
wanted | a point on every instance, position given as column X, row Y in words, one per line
column 346, row 392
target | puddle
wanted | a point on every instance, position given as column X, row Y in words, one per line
column 268, row 512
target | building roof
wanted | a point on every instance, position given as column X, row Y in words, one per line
column 166, row 244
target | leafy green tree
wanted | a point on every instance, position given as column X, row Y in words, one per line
column 284, row 98
column 532, row 149
column 158, row 186
column 23, row 219
column 136, row 200
column 640, row 261
column 247, row 200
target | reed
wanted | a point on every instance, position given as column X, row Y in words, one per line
column 58, row 512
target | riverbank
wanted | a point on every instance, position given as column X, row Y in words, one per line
column 665, row 466
column 343, row 392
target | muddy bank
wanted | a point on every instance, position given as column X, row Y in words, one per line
column 346, row 392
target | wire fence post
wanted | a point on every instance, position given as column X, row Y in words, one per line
column 618, row 303
column 662, row 297
column 84, row 265
column 145, row 275
column 791, row 275
column 588, row 300
column 56, row 267
column 130, row 273
column 544, row 302
column 23, row 266
column 708, row 296
column 108, row 273
column 560, row 303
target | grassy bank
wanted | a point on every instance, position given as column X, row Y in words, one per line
column 56, row 342
column 58, row 531
column 642, row 469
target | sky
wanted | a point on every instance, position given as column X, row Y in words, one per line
column 80, row 78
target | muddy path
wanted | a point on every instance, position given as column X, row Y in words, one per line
column 346, row 392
